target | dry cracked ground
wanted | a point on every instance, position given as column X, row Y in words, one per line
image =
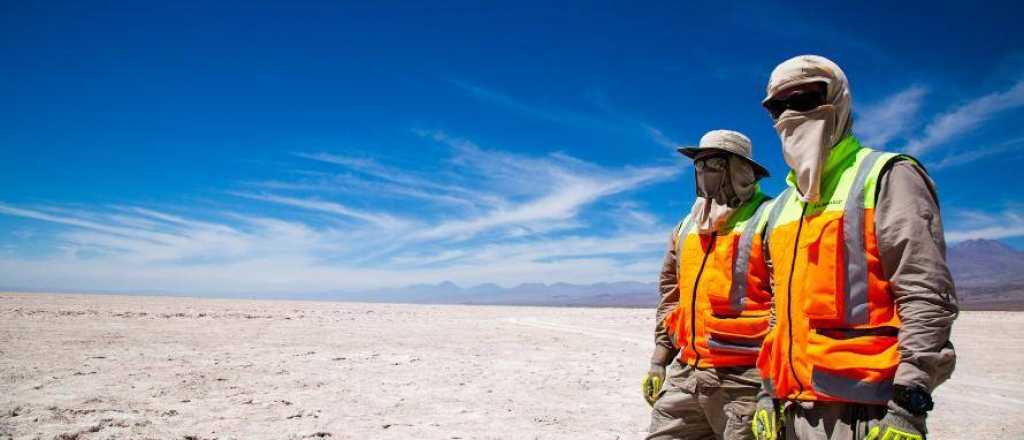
column 118, row 367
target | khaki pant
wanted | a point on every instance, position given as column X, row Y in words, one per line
column 830, row 420
column 705, row 404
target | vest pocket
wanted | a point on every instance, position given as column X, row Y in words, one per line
column 823, row 263
column 742, row 335
column 855, row 365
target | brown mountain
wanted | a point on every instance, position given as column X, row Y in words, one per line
column 989, row 275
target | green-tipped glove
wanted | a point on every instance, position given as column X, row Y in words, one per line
column 767, row 423
column 898, row 424
column 653, row 380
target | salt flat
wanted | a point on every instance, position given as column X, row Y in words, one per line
column 99, row 367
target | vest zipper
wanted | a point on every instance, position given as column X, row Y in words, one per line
column 789, row 296
column 693, row 302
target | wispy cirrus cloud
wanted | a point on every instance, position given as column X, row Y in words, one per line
column 965, row 118
column 378, row 219
column 660, row 138
column 975, row 224
column 552, row 114
column 968, row 155
column 898, row 116
column 520, row 218
column 126, row 233
column 402, row 182
column 567, row 185
column 53, row 215
column 610, row 120
column 879, row 123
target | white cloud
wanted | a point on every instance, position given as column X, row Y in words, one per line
column 567, row 185
column 285, row 260
column 355, row 185
column 291, row 275
column 610, row 121
column 123, row 237
column 520, row 219
column 550, row 114
column 400, row 181
column 660, row 138
column 969, row 155
column 111, row 229
column 965, row 118
column 382, row 220
column 978, row 224
column 879, row 123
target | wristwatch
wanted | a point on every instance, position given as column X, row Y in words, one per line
column 915, row 399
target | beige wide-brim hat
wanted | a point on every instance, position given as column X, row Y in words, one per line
column 727, row 141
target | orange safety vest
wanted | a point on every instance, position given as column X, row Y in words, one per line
column 724, row 299
column 836, row 325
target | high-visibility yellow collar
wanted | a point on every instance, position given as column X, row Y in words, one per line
column 746, row 210
column 841, row 157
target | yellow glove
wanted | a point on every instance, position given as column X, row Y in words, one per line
column 766, row 424
column 891, row 433
column 897, row 425
column 651, row 385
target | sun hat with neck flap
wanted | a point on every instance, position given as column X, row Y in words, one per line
column 726, row 141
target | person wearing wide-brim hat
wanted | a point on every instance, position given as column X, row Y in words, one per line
column 725, row 141
column 715, row 300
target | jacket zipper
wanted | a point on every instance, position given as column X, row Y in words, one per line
column 693, row 303
column 789, row 296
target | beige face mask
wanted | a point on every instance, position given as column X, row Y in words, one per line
column 807, row 138
column 709, row 216
column 720, row 193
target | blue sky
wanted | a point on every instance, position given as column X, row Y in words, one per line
column 253, row 147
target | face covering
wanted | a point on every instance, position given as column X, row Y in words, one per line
column 807, row 138
column 720, row 191
column 708, row 216
column 710, row 183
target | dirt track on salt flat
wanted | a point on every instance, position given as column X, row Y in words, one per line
column 112, row 367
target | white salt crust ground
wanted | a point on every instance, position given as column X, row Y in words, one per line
column 117, row 367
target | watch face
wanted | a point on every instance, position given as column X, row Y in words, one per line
column 921, row 401
column 915, row 400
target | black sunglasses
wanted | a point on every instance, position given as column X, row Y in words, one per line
column 801, row 101
column 717, row 162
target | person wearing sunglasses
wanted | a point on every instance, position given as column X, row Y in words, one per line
column 714, row 306
column 863, row 298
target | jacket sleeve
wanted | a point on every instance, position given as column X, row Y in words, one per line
column 664, row 347
column 913, row 255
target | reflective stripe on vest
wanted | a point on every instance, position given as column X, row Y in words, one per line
column 738, row 290
column 684, row 230
column 851, row 389
column 746, row 347
column 854, row 252
column 855, row 285
column 780, row 205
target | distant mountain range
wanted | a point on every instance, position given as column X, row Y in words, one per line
column 619, row 294
column 989, row 275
